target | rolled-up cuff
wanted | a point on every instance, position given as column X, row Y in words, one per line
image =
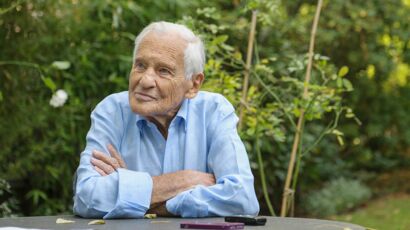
column 134, row 195
column 185, row 205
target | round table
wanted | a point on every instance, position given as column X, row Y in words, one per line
column 274, row 223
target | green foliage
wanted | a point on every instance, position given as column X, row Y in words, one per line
column 377, row 40
column 8, row 204
column 360, row 76
column 337, row 196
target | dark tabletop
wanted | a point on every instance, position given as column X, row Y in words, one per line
column 275, row 223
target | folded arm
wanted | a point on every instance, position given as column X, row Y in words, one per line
column 162, row 189
column 233, row 193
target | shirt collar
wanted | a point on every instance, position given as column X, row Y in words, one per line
column 140, row 121
column 182, row 114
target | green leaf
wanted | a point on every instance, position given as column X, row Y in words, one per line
column 36, row 195
column 53, row 171
column 337, row 132
column 49, row 83
column 343, row 71
column 296, row 112
column 349, row 115
column 237, row 55
column 1, row 96
column 220, row 39
column 339, row 83
column 227, row 47
column 340, row 140
column 62, row 65
column 371, row 70
column 347, row 84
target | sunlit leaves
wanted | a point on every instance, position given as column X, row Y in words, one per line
column 399, row 77
column 269, row 11
column 92, row 42
column 219, row 39
column 347, row 85
column 339, row 136
column 209, row 12
column 343, row 71
column 370, row 71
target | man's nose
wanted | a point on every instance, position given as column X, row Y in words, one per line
column 148, row 79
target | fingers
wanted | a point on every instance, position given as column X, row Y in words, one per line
column 106, row 159
column 105, row 164
column 116, row 155
column 212, row 178
column 209, row 179
column 101, row 172
column 101, row 167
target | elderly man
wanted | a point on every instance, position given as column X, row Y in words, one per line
column 164, row 147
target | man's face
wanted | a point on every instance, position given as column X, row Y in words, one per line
column 157, row 83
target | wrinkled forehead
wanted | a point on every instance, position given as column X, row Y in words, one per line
column 167, row 43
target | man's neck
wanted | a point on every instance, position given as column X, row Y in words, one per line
column 163, row 121
column 162, row 124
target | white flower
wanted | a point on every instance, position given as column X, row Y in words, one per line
column 59, row 98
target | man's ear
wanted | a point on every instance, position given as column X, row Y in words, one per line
column 196, row 85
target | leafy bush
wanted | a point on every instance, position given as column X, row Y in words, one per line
column 8, row 204
column 85, row 48
column 336, row 196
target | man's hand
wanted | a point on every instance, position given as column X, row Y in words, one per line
column 106, row 165
column 160, row 210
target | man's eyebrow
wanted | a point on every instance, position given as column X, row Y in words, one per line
column 164, row 64
column 159, row 63
column 138, row 59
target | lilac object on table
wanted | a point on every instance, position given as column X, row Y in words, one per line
column 211, row 225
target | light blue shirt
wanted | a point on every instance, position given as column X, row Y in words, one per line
column 202, row 136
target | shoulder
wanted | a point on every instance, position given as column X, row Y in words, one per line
column 213, row 103
column 117, row 102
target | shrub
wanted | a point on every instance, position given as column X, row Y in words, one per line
column 7, row 203
column 85, row 48
column 337, row 196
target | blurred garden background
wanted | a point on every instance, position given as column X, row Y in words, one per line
column 353, row 162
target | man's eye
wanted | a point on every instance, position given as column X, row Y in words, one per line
column 139, row 66
column 164, row 72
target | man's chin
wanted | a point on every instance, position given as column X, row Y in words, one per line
column 143, row 110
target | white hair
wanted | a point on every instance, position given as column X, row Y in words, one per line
column 194, row 53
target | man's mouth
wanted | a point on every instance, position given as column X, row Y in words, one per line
column 143, row 97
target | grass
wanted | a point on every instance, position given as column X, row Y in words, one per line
column 387, row 213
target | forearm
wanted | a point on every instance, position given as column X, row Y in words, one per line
column 232, row 195
column 165, row 187
column 169, row 185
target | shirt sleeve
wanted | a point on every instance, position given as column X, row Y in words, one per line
column 233, row 193
column 122, row 194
